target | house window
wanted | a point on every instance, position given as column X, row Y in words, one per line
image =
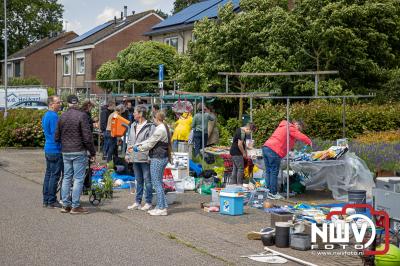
column 9, row 70
column 173, row 41
column 80, row 63
column 17, row 69
column 67, row 64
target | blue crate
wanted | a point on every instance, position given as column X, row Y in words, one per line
column 231, row 205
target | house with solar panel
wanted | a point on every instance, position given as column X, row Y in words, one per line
column 80, row 58
column 177, row 30
column 37, row 60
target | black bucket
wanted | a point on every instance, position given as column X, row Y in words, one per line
column 282, row 233
column 358, row 197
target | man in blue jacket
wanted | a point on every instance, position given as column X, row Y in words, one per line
column 52, row 150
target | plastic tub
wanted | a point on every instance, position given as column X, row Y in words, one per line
column 215, row 194
column 179, row 186
column 358, row 197
column 300, row 241
column 231, row 202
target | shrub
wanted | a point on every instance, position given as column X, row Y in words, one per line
column 324, row 120
column 377, row 137
column 21, row 128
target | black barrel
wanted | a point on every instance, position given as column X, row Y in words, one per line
column 358, row 197
column 282, row 233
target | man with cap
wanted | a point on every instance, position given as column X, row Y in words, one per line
column 73, row 131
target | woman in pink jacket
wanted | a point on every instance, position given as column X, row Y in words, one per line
column 275, row 148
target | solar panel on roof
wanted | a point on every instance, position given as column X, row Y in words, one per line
column 90, row 32
column 187, row 13
column 212, row 12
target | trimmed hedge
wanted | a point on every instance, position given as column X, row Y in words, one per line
column 21, row 128
column 324, row 120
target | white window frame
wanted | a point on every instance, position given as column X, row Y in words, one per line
column 80, row 56
column 64, row 56
column 169, row 39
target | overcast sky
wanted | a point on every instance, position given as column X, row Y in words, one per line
column 82, row 15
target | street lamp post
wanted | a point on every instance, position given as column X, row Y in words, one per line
column 5, row 59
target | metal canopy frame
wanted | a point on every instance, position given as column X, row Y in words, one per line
column 287, row 98
column 275, row 74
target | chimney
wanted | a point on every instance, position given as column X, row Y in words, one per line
column 125, row 11
column 122, row 15
column 115, row 19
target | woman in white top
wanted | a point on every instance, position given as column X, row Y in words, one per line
column 159, row 147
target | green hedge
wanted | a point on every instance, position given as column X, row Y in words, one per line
column 21, row 128
column 324, row 120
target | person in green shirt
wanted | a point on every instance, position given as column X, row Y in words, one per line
column 199, row 127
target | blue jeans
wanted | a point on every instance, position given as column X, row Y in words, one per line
column 142, row 175
column 111, row 146
column 75, row 164
column 198, row 140
column 105, row 143
column 54, row 167
column 157, row 167
column 272, row 164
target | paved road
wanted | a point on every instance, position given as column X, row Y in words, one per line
column 32, row 235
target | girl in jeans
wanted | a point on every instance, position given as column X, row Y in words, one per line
column 159, row 147
column 275, row 148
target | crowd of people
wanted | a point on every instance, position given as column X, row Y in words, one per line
column 69, row 147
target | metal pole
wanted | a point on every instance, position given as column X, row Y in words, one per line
column 344, row 117
column 226, row 84
column 174, row 87
column 202, row 125
column 251, row 109
column 251, row 114
column 99, row 137
column 119, row 86
column 133, row 89
column 87, row 90
column 316, row 85
column 287, row 146
column 5, row 60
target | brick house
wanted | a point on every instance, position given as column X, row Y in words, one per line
column 177, row 30
column 79, row 60
column 37, row 60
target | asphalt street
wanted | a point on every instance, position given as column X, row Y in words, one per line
column 112, row 235
column 33, row 235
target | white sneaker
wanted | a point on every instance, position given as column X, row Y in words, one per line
column 134, row 206
column 146, row 207
column 151, row 211
column 158, row 212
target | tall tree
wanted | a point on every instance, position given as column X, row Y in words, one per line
column 360, row 38
column 140, row 61
column 29, row 21
column 181, row 4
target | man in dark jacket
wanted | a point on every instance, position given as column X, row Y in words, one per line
column 73, row 131
column 106, row 110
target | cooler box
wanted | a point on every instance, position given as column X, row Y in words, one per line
column 117, row 128
column 231, row 201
